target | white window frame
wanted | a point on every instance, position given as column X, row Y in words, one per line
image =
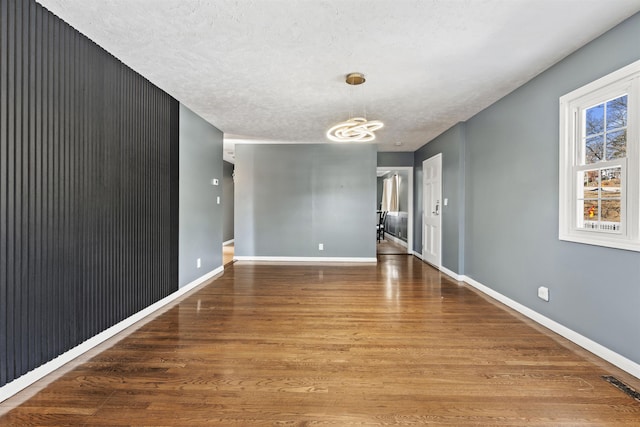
column 572, row 105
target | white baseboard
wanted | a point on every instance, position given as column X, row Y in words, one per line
column 417, row 255
column 303, row 259
column 227, row 243
column 599, row 350
column 41, row 371
column 198, row 281
column 451, row 274
column 396, row 240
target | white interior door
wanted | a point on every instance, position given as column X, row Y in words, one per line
column 432, row 210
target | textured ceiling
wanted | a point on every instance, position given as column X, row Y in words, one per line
column 273, row 70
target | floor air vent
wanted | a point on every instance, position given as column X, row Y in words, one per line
column 622, row 386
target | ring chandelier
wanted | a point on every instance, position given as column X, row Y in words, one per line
column 356, row 129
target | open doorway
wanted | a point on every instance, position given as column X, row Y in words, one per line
column 228, row 225
column 395, row 197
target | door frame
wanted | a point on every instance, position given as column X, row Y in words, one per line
column 410, row 213
column 424, row 208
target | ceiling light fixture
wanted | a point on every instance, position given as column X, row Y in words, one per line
column 355, row 79
column 356, row 129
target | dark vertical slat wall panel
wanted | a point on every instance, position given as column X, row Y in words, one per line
column 55, row 145
column 88, row 189
column 13, row 352
column 4, row 157
column 25, row 188
column 42, row 136
column 16, row 223
column 49, row 139
column 33, row 179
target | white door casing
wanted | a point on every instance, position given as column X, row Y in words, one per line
column 432, row 210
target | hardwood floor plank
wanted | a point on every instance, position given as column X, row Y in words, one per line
column 336, row 345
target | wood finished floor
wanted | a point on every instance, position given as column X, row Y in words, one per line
column 395, row 343
column 227, row 254
column 387, row 247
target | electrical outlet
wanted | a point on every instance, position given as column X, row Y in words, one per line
column 321, row 246
column 543, row 293
column 198, row 263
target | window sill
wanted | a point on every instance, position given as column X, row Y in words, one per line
column 602, row 240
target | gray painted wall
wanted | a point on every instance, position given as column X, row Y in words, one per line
column 200, row 233
column 227, row 201
column 511, row 235
column 290, row 198
column 451, row 144
column 393, row 158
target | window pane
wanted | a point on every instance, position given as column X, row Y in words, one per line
column 594, row 149
column 594, row 120
column 599, row 199
column 590, row 214
column 617, row 113
column 610, row 211
column 590, row 184
column 610, row 179
column 617, row 144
